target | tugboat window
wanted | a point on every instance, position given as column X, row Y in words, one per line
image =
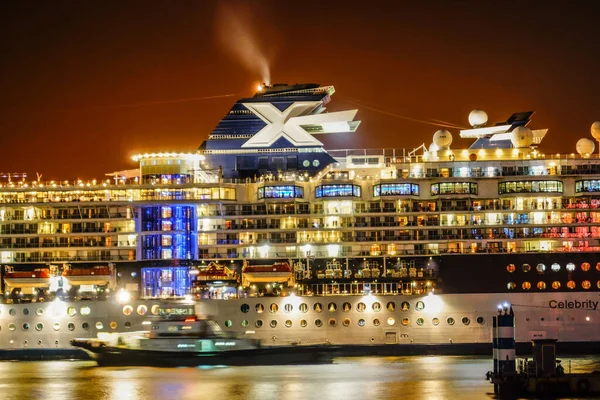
column 332, row 307
column 405, row 306
column 318, row 307
column 420, row 306
column 273, row 308
column 435, row 321
column 450, row 321
column 466, row 321
column 391, row 306
column 228, row 323
column 361, row 322
column 361, row 307
column 258, row 323
column 259, row 308
column 273, row 323
column 303, row 323
column 526, row 267
column 376, row 322
column 288, row 323
column 346, row 322
column 346, row 307
column 420, row 321
column 303, row 307
column 318, row 323
column 332, row 322
column 376, row 306
column 288, row 308
column 480, row 320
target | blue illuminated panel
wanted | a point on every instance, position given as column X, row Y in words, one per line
column 167, row 281
column 337, row 191
column 178, row 233
column 280, row 192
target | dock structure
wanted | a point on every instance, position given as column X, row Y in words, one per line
column 543, row 375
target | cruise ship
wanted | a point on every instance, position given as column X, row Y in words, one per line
column 387, row 251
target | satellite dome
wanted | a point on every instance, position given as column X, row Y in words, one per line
column 442, row 139
column 521, row 137
column 585, row 146
column 478, row 118
column 596, row 130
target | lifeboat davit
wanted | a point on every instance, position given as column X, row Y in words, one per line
column 279, row 272
column 215, row 272
column 99, row 275
column 39, row 277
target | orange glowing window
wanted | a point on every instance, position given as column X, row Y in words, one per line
column 541, row 285
column 585, row 266
column 586, row 284
column 510, row 268
column 526, row 285
column 556, row 285
column 571, row 285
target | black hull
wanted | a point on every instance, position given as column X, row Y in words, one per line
column 292, row 355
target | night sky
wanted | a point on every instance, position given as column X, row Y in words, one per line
column 85, row 85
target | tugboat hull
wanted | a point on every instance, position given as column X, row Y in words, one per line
column 275, row 355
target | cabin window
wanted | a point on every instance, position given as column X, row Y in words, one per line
column 585, row 266
column 598, row 266
column 480, row 320
column 450, row 321
column 259, row 308
column 85, row 311
column 346, row 307
column 332, row 322
column 598, row 284
column 435, row 321
column 346, row 322
column 26, row 312
column 85, row 326
column 541, row 285
column 244, row 323
column 526, row 285
column 39, row 326
column 154, row 310
column 318, row 307
column 361, row 322
column 127, row 310
column 273, row 323
column 361, row 307
column 376, row 322
column 113, row 325
column 420, row 321
column 466, row 321
column 376, row 306
column 571, row 285
column 391, row 306
column 288, row 308
column 419, row 306
column 71, row 326
column 303, row 323
column 511, row 285
column 391, row 321
column 71, row 311
column 11, row 327
column 541, row 268
column 303, row 307
column 318, row 323
column 228, row 323
column 258, row 323
column 586, row 284
column 526, row 267
column 99, row 325
column 510, row 268
column 570, row 267
column 39, row 311
column 556, row 285
column 288, row 323
column 142, row 310
column 405, row 306
column 245, row 308
column 405, row 321
column 273, row 308
column 556, row 267
column 332, row 307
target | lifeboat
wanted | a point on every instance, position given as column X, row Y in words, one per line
column 215, row 272
column 39, row 277
column 99, row 275
column 279, row 272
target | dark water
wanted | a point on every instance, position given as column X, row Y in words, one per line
column 348, row 378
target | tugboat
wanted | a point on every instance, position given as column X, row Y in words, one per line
column 183, row 339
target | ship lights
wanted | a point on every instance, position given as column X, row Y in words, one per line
column 123, row 296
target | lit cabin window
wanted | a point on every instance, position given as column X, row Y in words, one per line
column 396, row 189
column 511, row 285
column 346, row 322
column 450, row 321
column 598, row 266
column 585, row 266
column 449, row 188
column 530, row 187
column 435, row 321
column 510, row 268
column 571, row 285
column 586, row 284
column 337, row 191
column 570, row 267
column 405, row 321
column 556, row 285
column 556, row 267
column 587, row 186
column 541, row 268
column 526, row 267
column 420, row 321
column 280, row 192
column 526, row 285
column 541, row 285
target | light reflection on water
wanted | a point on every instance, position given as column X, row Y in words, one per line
column 348, row 378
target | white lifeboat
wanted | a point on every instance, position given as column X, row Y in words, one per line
column 39, row 277
column 98, row 275
column 279, row 272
